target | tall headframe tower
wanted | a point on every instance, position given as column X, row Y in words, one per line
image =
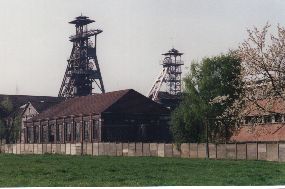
column 83, row 71
column 170, row 77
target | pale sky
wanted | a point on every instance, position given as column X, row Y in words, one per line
column 34, row 43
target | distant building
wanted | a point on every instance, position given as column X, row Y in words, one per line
column 123, row 116
column 27, row 106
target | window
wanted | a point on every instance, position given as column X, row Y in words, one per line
column 247, row 120
column 77, row 132
column 51, row 132
column 278, row 118
column 86, row 130
column 67, row 131
column 95, row 129
column 45, row 133
column 36, row 134
column 57, row 131
column 267, row 119
column 30, row 134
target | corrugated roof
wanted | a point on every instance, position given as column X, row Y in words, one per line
column 123, row 101
column 262, row 132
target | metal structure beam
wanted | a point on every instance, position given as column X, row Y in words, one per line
column 83, row 68
column 170, row 76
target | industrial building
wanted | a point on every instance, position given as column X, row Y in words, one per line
column 124, row 116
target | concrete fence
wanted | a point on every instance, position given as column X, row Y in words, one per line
column 236, row 151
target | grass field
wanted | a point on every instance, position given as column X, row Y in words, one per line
column 56, row 170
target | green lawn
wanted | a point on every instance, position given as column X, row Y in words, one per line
column 56, row 170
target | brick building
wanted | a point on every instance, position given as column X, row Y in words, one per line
column 263, row 121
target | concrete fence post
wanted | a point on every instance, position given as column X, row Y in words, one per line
column 278, row 151
column 246, row 151
column 257, row 150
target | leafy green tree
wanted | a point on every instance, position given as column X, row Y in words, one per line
column 212, row 90
column 10, row 123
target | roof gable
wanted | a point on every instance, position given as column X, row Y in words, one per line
column 86, row 105
column 39, row 102
column 133, row 102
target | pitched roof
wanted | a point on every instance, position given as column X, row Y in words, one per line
column 127, row 101
column 39, row 102
column 264, row 107
column 262, row 132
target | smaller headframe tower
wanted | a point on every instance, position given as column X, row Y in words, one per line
column 83, row 68
column 171, row 77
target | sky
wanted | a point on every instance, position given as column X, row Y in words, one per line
column 34, row 44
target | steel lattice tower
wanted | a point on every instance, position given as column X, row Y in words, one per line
column 83, row 68
column 170, row 76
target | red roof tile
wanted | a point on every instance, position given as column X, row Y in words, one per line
column 262, row 132
column 264, row 106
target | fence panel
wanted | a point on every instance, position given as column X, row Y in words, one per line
column 62, row 148
column 160, row 150
column 22, row 148
column 6, row 150
column 68, row 148
column 272, row 152
column 72, row 149
column 79, row 149
column 153, row 149
column 262, row 152
column 40, row 148
column 168, row 152
column 176, row 150
column 14, row 148
column 89, row 148
column 241, row 151
column 35, row 148
column 221, row 151
column 48, row 148
column 212, row 151
column 53, row 148
column 106, row 149
column 18, row 149
column 132, row 149
column 29, row 149
column 282, row 152
column 119, row 148
column 185, row 150
column 193, row 150
column 202, row 150
column 125, row 149
column 231, row 151
column 44, row 148
column 252, row 151
column 101, row 149
column 113, row 149
column 139, row 149
column 84, row 148
column 10, row 148
column 95, row 149
column 146, row 149
column 58, row 150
